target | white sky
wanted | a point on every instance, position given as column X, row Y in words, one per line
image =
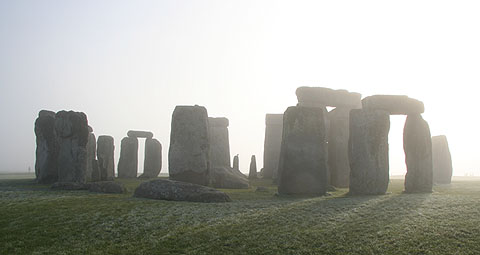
column 127, row 64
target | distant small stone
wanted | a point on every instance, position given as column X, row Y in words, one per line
column 261, row 189
column 106, row 187
column 179, row 191
column 69, row 186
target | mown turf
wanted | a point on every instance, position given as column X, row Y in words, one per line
column 37, row 220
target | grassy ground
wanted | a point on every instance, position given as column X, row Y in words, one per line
column 37, row 220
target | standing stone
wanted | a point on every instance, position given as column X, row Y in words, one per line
column 72, row 137
column 253, row 168
column 219, row 142
column 338, row 165
column 236, row 163
column 303, row 157
column 153, row 158
column 92, row 166
column 442, row 160
column 417, row 143
column 105, row 156
column 368, row 152
column 272, row 145
column 46, row 152
column 188, row 155
column 128, row 163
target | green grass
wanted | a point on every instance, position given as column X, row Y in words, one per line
column 37, row 220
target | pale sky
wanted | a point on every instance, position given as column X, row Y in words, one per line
column 127, row 64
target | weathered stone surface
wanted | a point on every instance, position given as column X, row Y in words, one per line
column 227, row 178
column 272, row 145
column 442, row 160
column 106, row 187
column 236, row 163
column 46, row 151
column 321, row 97
column 188, row 155
column 91, row 156
column 219, row 142
column 253, row 168
column 179, row 191
column 72, row 136
column 303, row 157
column 339, row 167
column 417, row 144
column 69, row 186
column 128, row 163
column 105, row 157
column 394, row 104
column 153, row 159
column 368, row 152
column 140, row 134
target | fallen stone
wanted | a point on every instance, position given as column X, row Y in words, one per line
column 417, row 144
column 46, row 152
column 188, row 155
column 368, row 152
column 105, row 158
column 106, row 187
column 153, row 159
column 339, row 132
column 303, row 159
column 219, row 142
column 128, row 163
column 227, row 178
column 442, row 160
column 272, row 145
column 394, row 104
column 321, row 97
column 179, row 191
column 72, row 137
column 140, row 134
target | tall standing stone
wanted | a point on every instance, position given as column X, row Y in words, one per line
column 253, row 168
column 339, row 167
column 72, row 137
column 92, row 165
column 153, row 158
column 219, row 142
column 368, row 151
column 105, row 157
column 417, row 143
column 442, row 160
column 128, row 163
column 303, row 158
column 236, row 163
column 188, row 155
column 272, row 145
column 46, row 151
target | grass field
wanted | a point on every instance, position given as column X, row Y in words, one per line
column 37, row 220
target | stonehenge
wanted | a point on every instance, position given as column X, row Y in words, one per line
column 153, row 158
column 272, row 144
column 253, row 168
column 71, row 130
column 303, row 157
column 219, row 142
column 189, row 152
column 128, row 163
column 105, row 158
column 442, row 160
column 368, row 152
column 417, row 143
column 46, row 151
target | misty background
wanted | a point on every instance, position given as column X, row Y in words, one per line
column 127, row 64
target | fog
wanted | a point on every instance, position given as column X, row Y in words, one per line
column 127, row 64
